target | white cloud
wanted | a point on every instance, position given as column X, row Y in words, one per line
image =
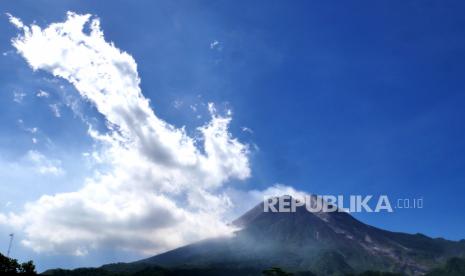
column 18, row 96
column 246, row 129
column 216, row 45
column 15, row 21
column 42, row 94
column 193, row 107
column 161, row 190
column 32, row 130
column 177, row 104
column 42, row 164
column 277, row 190
column 244, row 200
column 55, row 109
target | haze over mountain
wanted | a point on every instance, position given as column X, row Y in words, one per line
column 327, row 243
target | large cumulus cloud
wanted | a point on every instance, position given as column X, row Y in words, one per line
column 161, row 188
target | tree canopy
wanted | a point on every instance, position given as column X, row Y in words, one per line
column 12, row 266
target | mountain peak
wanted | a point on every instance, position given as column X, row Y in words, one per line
column 303, row 240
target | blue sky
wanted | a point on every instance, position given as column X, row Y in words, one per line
column 333, row 97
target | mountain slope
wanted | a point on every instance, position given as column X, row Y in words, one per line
column 327, row 243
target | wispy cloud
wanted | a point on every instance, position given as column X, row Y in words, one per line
column 32, row 130
column 55, row 109
column 18, row 96
column 177, row 104
column 42, row 94
column 216, row 45
column 246, row 129
column 43, row 165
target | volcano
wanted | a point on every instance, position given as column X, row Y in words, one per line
column 324, row 243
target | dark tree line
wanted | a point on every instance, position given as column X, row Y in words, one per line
column 10, row 266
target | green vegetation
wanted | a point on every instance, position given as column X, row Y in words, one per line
column 331, row 263
column 155, row 271
column 11, row 266
column 376, row 273
column 276, row 271
column 453, row 267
